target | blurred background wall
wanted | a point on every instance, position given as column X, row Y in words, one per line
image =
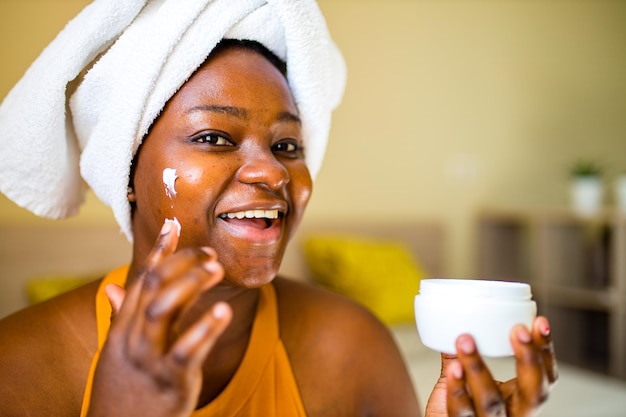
column 450, row 105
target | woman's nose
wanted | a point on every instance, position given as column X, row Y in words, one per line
column 265, row 169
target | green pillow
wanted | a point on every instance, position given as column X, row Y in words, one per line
column 381, row 275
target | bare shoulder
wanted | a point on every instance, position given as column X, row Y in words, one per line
column 339, row 350
column 45, row 354
column 323, row 311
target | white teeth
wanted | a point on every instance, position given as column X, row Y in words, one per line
column 252, row 214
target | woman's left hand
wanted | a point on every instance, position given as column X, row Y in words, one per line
column 467, row 388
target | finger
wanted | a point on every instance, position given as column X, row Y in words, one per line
column 165, row 245
column 531, row 376
column 508, row 388
column 174, row 287
column 125, row 312
column 482, row 387
column 458, row 401
column 446, row 360
column 174, row 299
column 543, row 339
column 436, row 404
column 170, row 300
column 182, row 291
column 175, row 266
column 192, row 348
column 116, row 295
column 199, row 268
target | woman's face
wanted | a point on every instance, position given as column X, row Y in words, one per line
column 225, row 158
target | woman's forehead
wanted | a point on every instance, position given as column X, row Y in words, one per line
column 233, row 77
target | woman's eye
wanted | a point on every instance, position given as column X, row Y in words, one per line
column 214, row 139
column 287, row 146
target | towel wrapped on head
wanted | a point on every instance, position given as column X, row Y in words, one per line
column 79, row 113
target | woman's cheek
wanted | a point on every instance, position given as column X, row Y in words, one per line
column 301, row 187
column 193, row 176
column 303, row 196
column 172, row 183
column 185, row 190
column 304, row 186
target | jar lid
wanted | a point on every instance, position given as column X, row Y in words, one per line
column 475, row 288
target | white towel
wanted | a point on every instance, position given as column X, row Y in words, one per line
column 50, row 143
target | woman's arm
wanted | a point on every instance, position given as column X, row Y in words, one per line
column 45, row 352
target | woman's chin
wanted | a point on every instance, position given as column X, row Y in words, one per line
column 253, row 278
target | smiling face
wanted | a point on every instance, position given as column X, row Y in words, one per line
column 226, row 159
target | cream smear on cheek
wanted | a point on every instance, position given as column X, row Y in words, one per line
column 169, row 179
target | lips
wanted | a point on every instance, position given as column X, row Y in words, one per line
column 257, row 225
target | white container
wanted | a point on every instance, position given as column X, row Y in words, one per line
column 488, row 310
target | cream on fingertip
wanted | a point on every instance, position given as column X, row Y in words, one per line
column 172, row 224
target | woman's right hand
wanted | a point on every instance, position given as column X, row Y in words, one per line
column 147, row 365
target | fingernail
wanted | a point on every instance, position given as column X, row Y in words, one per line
column 523, row 335
column 220, row 310
column 544, row 330
column 170, row 225
column 466, row 344
column 167, row 227
column 456, row 370
column 212, row 266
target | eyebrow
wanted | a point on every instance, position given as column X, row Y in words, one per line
column 286, row 116
column 240, row 113
column 230, row 110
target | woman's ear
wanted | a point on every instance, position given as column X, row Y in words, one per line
column 130, row 194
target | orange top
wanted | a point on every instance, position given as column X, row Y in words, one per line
column 263, row 385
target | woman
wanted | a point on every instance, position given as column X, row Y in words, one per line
column 199, row 320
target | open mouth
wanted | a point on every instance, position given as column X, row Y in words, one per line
column 260, row 219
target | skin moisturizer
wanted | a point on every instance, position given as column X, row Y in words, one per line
column 488, row 310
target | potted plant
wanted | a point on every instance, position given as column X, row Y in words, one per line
column 586, row 187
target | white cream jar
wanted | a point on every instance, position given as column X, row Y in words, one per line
column 488, row 310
